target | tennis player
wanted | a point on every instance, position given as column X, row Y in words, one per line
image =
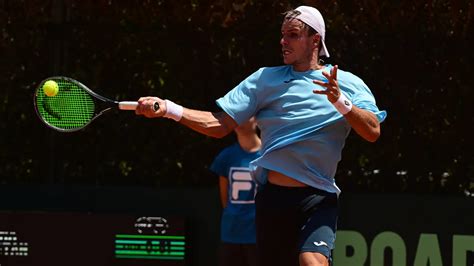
column 237, row 193
column 305, row 110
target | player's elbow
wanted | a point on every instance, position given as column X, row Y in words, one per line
column 373, row 135
column 222, row 126
column 373, row 138
column 371, row 130
column 219, row 135
column 218, row 132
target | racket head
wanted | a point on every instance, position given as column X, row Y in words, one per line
column 71, row 109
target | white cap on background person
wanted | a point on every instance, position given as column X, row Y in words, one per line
column 314, row 19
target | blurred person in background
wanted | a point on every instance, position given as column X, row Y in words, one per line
column 237, row 194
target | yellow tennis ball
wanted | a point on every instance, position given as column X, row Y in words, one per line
column 50, row 88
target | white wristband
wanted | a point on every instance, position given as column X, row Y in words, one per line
column 343, row 105
column 173, row 111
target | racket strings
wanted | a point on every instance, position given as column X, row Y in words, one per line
column 71, row 108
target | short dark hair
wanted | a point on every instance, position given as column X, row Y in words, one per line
column 292, row 14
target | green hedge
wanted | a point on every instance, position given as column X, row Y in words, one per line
column 415, row 56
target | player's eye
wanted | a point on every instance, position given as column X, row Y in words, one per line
column 290, row 36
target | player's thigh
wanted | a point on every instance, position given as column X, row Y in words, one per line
column 313, row 259
column 318, row 232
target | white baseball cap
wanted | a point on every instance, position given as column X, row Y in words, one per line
column 314, row 19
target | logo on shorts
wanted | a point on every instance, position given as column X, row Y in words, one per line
column 320, row 243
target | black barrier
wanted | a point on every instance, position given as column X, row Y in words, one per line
column 374, row 230
column 57, row 239
column 195, row 210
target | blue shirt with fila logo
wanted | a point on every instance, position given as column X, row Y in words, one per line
column 238, row 218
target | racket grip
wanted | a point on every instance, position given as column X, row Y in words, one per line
column 129, row 105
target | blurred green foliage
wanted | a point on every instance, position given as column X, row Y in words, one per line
column 415, row 56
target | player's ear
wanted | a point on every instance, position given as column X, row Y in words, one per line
column 316, row 38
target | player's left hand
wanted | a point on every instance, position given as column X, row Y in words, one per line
column 332, row 90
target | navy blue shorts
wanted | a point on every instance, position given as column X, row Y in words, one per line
column 293, row 220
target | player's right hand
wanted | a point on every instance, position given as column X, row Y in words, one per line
column 146, row 107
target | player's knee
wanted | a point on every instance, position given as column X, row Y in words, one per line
column 313, row 259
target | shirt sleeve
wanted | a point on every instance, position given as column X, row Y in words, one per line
column 241, row 102
column 360, row 95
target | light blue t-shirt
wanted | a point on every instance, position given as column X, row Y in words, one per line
column 302, row 133
column 238, row 217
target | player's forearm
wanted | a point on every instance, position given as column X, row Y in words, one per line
column 215, row 125
column 364, row 123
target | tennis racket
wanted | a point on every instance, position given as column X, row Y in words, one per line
column 74, row 106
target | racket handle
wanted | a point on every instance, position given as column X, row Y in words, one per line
column 129, row 105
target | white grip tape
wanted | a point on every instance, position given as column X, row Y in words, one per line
column 343, row 105
column 126, row 105
column 173, row 111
